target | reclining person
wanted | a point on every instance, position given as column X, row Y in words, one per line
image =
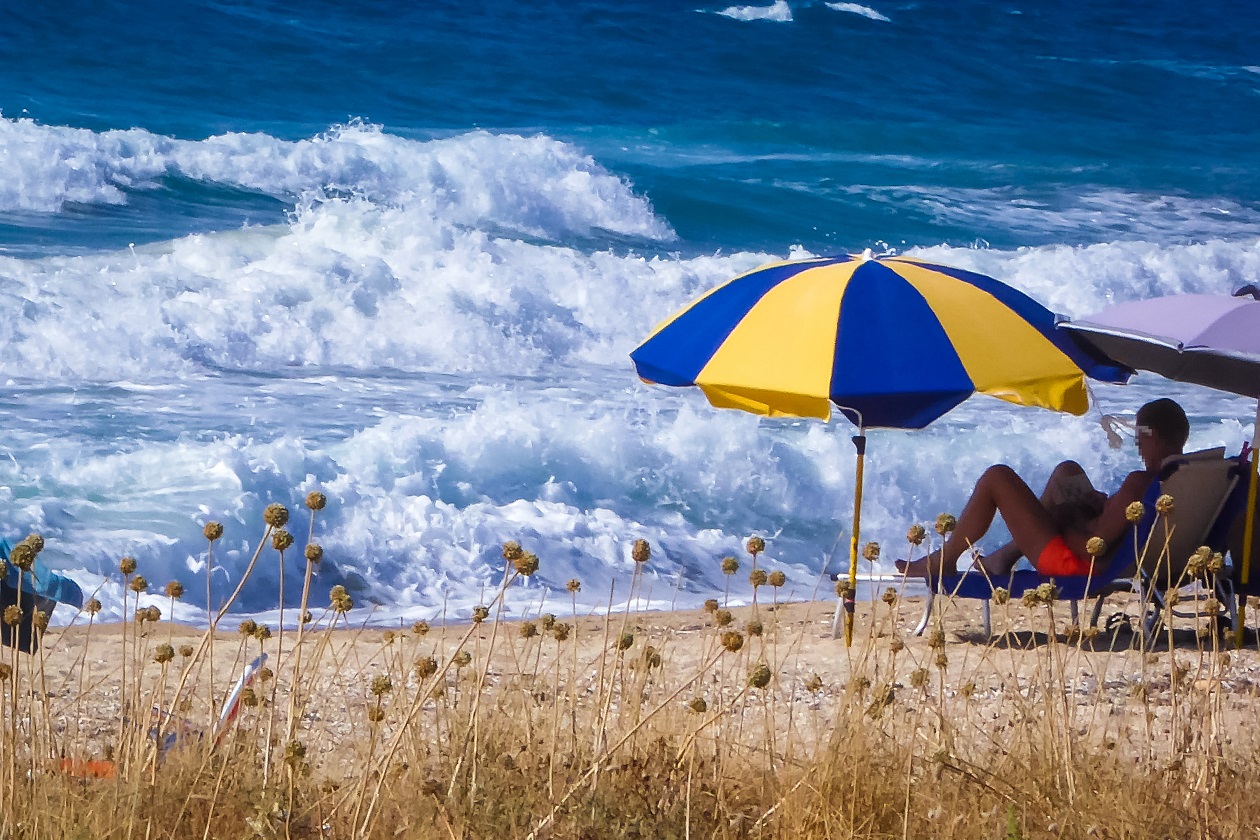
column 1052, row 529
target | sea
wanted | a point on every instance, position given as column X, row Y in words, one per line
column 399, row 252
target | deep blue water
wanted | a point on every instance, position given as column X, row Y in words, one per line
column 400, row 251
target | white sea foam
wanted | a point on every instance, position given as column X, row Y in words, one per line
column 534, row 185
column 778, row 11
column 858, row 9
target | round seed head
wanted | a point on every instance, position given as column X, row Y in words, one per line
column 528, row 630
column 420, row 628
column 968, row 689
column 729, row 565
column 711, row 605
column 1134, row 512
column 35, row 541
column 387, row 638
column 249, row 697
column 889, row 597
column 174, row 590
column 262, row 633
column 624, row 641
column 697, row 705
column 526, row 564
column 946, row 523
column 212, row 531
column 1096, row 547
column 276, row 515
column 777, row 579
column 247, row 627
column 22, row 556
column 127, row 565
column 316, row 500
column 547, row 622
column 375, row 714
column 754, row 628
column 756, row 545
column 6, row 672
column 93, row 606
column 138, row 584
column 1216, row 562
column 1047, row 593
column 561, row 631
column 512, row 551
column 1030, row 598
column 722, row 618
column 343, row 604
column 381, row 685
column 574, row 585
column 919, row 677
column 641, row 552
column 896, row 645
column 426, row 666
column 859, row 684
column 154, row 613
column 651, row 657
column 480, row 614
column 1001, row 596
column 732, row 640
column 39, row 619
column 1164, row 505
column 870, row 551
column 164, row 653
column 294, row 752
column 462, row 659
column 307, row 618
column 185, row 651
column 845, row 588
column 758, row 577
column 937, row 639
column 916, row 535
column 942, row 660
column 814, row 684
column 759, row 676
column 281, row 540
column 314, row 552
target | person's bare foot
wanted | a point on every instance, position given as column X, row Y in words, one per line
column 924, row 567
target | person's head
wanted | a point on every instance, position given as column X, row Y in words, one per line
column 1162, row 430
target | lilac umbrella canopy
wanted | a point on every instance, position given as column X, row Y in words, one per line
column 1210, row 340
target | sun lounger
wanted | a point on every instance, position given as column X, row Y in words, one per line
column 1152, row 555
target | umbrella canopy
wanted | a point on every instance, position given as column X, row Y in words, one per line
column 892, row 342
column 1210, row 340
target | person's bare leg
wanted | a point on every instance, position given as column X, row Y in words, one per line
column 1001, row 560
column 998, row 490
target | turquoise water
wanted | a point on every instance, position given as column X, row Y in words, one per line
column 402, row 252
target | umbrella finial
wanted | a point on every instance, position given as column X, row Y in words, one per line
column 1248, row 289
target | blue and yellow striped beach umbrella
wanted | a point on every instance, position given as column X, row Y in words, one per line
column 890, row 342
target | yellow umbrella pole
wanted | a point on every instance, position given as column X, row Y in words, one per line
column 1248, row 532
column 859, row 441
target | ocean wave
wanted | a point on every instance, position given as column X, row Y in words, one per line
column 778, row 11
column 534, row 185
column 858, row 9
column 354, row 285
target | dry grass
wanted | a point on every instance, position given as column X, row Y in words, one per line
column 636, row 725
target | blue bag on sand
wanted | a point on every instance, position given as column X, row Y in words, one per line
column 40, row 588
